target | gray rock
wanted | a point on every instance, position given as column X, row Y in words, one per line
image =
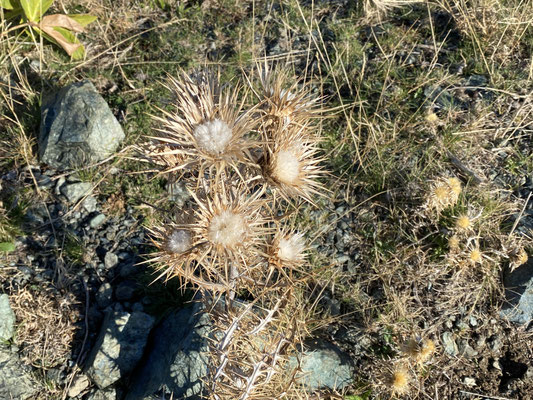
column 177, row 356
column 75, row 191
column 96, row 221
column 450, row 346
column 90, row 204
column 119, row 347
column 77, row 127
column 519, row 295
column 15, row 380
column 323, row 365
column 125, row 291
column 7, row 319
column 110, row 260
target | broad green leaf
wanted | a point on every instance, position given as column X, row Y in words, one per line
column 7, row 246
column 8, row 4
column 83, row 19
column 35, row 9
column 74, row 48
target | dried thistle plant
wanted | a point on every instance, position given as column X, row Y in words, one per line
column 241, row 163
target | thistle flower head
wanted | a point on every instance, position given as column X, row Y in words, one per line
column 518, row 257
column 419, row 350
column 286, row 100
column 475, row 255
column 291, row 248
column 398, row 380
column 427, row 349
column 463, row 222
column 213, row 136
column 179, row 241
column 454, row 243
column 206, row 130
column 291, row 166
column 443, row 193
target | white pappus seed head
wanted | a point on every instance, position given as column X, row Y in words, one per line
column 291, row 248
column 227, row 229
column 286, row 167
column 213, row 136
column 179, row 241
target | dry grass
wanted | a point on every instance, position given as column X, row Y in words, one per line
column 45, row 327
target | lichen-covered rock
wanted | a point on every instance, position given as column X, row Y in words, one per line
column 77, row 128
column 15, row 381
column 323, row 366
column 119, row 347
column 177, row 356
column 7, row 319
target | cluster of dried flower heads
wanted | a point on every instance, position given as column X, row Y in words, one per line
column 475, row 224
column 246, row 169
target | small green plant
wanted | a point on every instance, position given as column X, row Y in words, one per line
column 59, row 29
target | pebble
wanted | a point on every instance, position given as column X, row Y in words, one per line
column 110, row 260
column 96, row 221
column 450, row 346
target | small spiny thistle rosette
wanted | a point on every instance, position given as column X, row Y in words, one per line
column 207, row 131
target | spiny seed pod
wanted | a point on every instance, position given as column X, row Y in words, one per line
column 419, row 350
column 206, row 131
column 285, row 101
column 292, row 167
column 398, row 380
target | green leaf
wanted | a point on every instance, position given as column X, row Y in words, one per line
column 35, row 9
column 79, row 52
column 8, row 4
column 7, row 246
column 83, row 19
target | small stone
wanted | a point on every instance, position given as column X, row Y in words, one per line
column 469, row 381
column 178, row 358
column 110, row 260
column 90, row 204
column 96, row 221
column 80, row 384
column 519, row 295
column 323, row 365
column 75, row 191
column 473, row 321
column 7, row 319
column 108, row 394
column 450, row 346
column 125, row 291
